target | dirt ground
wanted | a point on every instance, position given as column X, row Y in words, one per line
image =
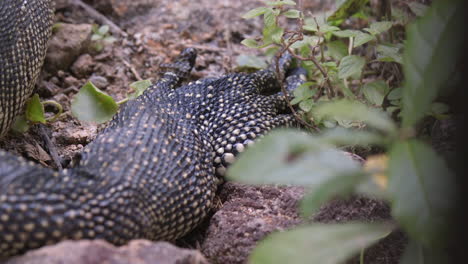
column 157, row 32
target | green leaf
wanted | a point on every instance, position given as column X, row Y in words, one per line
column 340, row 185
column 139, row 87
column 375, row 92
column 362, row 38
column 351, row 66
column 92, row 105
column 251, row 43
column 356, row 111
column 307, row 105
column 347, row 9
column 292, row 13
column 347, row 33
column 109, row 39
column 389, row 53
column 351, row 137
column 324, row 28
column 280, row 3
column 103, row 30
column 20, row 125
column 255, row 12
column 251, row 61
column 418, row 8
column 337, row 49
column 96, row 37
column 422, row 191
column 318, row 243
column 430, row 56
column 290, row 157
column 418, row 254
column 395, row 94
column 379, row 27
column 35, row 110
column 303, row 92
column 439, row 108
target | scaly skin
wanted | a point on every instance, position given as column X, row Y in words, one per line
column 153, row 172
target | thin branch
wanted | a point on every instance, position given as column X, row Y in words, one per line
column 99, row 17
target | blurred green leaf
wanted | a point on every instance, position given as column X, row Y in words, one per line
column 351, row 137
column 351, row 66
column 139, row 87
column 290, row 157
column 422, row 191
column 303, row 92
column 306, row 105
column 337, row 49
column 255, row 12
column 92, row 105
column 96, row 37
column 318, row 243
column 292, row 13
column 251, row 43
column 379, row 27
column 20, row 124
column 347, row 9
column 347, row 33
column 324, row 28
column 251, row 61
column 362, row 38
column 109, row 39
column 418, row 8
column 417, row 254
column 103, row 30
column 389, row 53
column 439, row 108
column 356, row 111
column 280, row 3
column 35, row 110
column 339, row 186
column 430, row 56
column 395, row 94
column 375, row 92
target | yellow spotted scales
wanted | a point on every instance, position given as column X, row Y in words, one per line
column 153, row 172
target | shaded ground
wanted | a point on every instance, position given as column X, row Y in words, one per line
column 157, row 32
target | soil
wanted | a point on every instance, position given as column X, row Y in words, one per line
column 157, row 32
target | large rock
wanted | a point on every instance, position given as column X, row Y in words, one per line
column 66, row 44
column 248, row 215
column 98, row 251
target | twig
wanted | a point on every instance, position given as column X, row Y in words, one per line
column 99, row 17
column 132, row 69
column 227, row 39
column 330, row 93
column 51, row 147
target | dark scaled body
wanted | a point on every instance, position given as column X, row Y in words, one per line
column 25, row 27
column 153, row 172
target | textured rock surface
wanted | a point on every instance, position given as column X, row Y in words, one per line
column 97, row 252
column 67, row 43
column 248, row 215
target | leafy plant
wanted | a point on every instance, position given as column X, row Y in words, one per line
column 410, row 175
column 93, row 105
column 101, row 36
column 35, row 113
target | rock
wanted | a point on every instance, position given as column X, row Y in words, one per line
column 83, row 66
column 124, row 8
column 59, row 4
column 249, row 214
column 98, row 251
column 99, row 81
column 68, row 42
